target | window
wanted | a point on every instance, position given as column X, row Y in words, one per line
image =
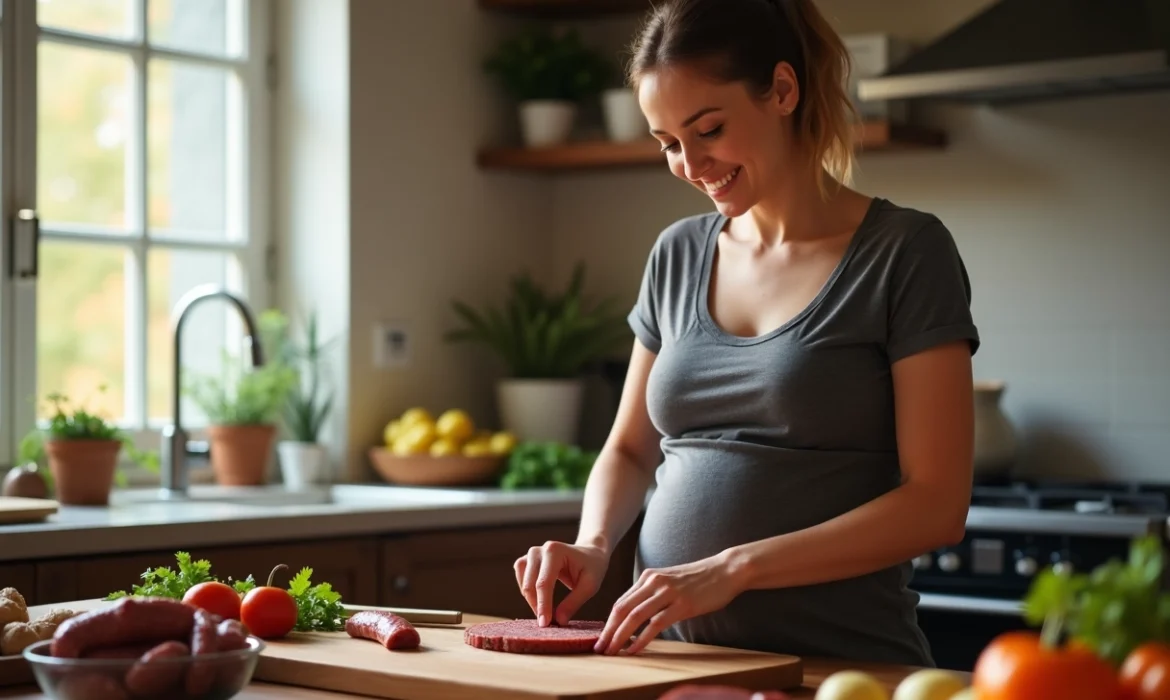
column 139, row 129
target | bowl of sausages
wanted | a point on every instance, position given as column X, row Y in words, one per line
column 145, row 648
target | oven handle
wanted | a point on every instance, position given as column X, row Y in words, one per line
column 960, row 603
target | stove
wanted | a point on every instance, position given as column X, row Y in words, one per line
column 1016, row 529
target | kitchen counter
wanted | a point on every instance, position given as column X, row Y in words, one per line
column 815, row 671
column 138, row 520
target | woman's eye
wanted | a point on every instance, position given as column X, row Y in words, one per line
column 670, row 147
column 713, row 132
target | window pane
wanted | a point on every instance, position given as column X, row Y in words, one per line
column 211, row 328
column 81, row 325
column 113, row 18
column 202, row 26
column 188, row 159
column 83, row 128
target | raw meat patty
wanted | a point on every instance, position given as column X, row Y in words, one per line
column 527, row 637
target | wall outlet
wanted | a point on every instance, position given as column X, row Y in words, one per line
column 392, row 345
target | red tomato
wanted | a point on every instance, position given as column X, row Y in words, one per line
column 214, row 597
column 269, row 612
column 1145, row 673
column 1016, row 666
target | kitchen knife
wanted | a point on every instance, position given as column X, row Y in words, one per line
column 415, row 615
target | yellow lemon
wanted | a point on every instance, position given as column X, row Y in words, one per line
column 502, row 443
column 477, row 448
column 851, row 685
column 444, row 447
column 455, row 424
column 415, row 415
column 391, row 432
column 415, row 439
column 929, row 684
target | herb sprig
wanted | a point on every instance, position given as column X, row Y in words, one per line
column 319, row 607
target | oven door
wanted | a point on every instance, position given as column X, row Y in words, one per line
column 960, row 627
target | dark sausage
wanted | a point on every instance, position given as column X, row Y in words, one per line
column 128, row 621
column 122, row 651
column 232, row 635
column 152, row 674
column 90, row 686
column 383, row 627
column 201, row 676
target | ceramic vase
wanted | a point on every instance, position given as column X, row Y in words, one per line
column 546, row 122
column 995, row 436
column 543, row 410
column 302, row 464
column 624, row 120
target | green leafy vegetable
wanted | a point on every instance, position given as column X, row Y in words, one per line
column 547, row 465
column 318, row 607
column 1113, row 609
column 166, row 582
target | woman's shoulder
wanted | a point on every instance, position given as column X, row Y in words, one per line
column 895, row 226
column 685, row 238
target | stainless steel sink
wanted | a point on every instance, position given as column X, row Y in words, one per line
column 352, row 495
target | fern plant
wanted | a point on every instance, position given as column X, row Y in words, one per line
column 540, row 335
column 308, row 404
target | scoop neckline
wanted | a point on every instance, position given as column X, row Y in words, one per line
column 703, row 301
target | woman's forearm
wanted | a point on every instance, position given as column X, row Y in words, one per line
column 893, row 528
column 614, row 495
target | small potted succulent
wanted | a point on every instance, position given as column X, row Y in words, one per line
column 81, row 449
column 243, row 407
column 302, row 456
column 549, row 73
column 546, row 341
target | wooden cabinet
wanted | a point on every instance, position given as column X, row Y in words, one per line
column 22, row 577
column 350, row 565
column 472, row 571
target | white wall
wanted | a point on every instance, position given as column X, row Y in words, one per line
column 1061, row 213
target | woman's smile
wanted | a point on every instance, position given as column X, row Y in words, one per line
column 723, row 185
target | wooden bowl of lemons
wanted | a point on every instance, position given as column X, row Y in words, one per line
column 420, row 450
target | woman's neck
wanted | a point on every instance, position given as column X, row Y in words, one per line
column 797, row 211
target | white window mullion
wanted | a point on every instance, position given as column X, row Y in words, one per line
column 137, row 208
column 7, row 74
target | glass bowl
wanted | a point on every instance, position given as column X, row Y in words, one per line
column 215, row 676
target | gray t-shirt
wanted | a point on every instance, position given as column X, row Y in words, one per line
column 768, row 435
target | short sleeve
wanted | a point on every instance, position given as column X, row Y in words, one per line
column 930, row 295
column 643, row 318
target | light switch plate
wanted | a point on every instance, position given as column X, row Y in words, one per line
column 392, row 345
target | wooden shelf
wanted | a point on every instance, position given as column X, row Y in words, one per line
column 562, row 9
column 873, row 137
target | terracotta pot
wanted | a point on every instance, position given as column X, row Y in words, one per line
column 240, row 453
column 83, row 470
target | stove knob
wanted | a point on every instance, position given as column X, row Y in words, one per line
column 1026, row 566
column 949, row 562
column 923, row 561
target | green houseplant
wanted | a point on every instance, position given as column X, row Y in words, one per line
column 81, row 450
column 243, row 406
column 548, row 73
column 302, row 456
column 545, row 341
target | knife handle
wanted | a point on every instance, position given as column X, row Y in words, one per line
column 414, row 615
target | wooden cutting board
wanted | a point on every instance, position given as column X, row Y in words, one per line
column 25, row 510
column 446, row 668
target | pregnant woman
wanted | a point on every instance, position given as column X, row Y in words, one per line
column 800, row 390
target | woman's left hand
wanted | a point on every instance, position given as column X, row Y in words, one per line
column 662, row 597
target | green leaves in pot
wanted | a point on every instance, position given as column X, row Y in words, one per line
column 542, row 64
column 542, row 336
column 547, row 465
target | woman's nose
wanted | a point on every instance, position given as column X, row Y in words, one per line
column 694, row 163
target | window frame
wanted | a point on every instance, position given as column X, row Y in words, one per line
column 18, row 155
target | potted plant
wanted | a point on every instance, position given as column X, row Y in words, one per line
column 81, row 450
column 545, row 341
column 242, row 407
column 548, row 73
column 302, row 456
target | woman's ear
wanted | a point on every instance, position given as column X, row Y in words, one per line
column 785, row 88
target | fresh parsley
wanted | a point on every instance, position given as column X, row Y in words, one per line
column 166, row 582
column 1112, row 609
column 319, row 607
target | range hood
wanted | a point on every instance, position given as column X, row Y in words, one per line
column 1027, row 50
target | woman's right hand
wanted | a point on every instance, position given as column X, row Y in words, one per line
column 580, row 567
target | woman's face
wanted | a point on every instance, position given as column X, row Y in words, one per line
column 717, row 136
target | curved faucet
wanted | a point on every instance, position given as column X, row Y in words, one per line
column 173, row 467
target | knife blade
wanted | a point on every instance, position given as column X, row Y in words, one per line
column 414, row 615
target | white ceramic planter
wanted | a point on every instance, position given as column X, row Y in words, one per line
column 541, row 409
column 624, row 120
column 302, row 464
column 546, row 122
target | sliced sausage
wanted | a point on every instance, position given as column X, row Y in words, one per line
column 152, row 675
column 130, row 620
column 384, row 627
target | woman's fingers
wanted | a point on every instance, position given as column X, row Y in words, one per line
column 659, row 621
column 528, row 571
column 628, row 614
